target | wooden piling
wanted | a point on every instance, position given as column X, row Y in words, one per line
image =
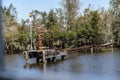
column 53, row 59
column 91, row 50
column 37, row 60
column 44, row 57
column 62, row 57
column 27, row 57
column 48, row 59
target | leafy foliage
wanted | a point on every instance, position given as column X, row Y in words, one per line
column 62, row 27
column 115, row 9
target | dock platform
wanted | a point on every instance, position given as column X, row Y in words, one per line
column 43, row 55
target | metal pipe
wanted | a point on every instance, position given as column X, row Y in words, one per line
column 31, row 46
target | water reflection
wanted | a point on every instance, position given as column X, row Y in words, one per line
column 97, row 66
column 41, row 66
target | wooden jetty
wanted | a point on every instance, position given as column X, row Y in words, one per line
column 91, row 47
column 43, row 55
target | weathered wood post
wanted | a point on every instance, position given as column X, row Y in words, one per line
column 27, row 57
column 44, row 56
column 112, row 46
column 91, row 50
column 53, row 59
column 37, row 59
column 27, row 66
column 44, row 67
column 54, row 55
column 48, row 59
column 63, row 57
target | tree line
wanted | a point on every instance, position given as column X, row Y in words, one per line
column 67, row 26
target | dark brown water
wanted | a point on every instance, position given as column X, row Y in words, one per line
column 97, row 66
